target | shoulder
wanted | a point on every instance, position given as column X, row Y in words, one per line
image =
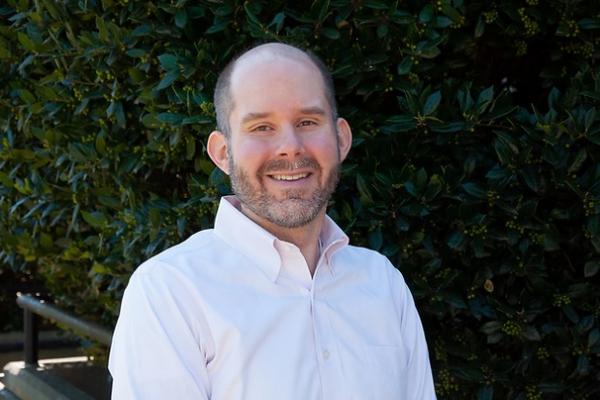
column 370, row 262
column 183, row 258
column 365, row 258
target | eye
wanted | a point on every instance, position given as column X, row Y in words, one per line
column 261, row 128
column 307, row 122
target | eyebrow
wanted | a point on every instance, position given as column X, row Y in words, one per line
column 313, row 111
column 252, row 116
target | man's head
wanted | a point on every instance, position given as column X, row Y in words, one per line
column 224, row 102
column 283, row 144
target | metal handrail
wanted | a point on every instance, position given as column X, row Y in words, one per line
column 33, row 306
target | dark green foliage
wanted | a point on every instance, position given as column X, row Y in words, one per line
column 475, row 161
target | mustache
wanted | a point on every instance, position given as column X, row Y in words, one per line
column 286, row 165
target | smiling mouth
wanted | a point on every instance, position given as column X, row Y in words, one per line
column 293, row 177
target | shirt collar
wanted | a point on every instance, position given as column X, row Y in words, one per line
column 256, row 243
column 332, row 239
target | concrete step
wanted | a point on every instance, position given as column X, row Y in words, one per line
column 6, row 394
column 72, row 378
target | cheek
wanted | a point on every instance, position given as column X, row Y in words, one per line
column 250, row 155
column 326, row 151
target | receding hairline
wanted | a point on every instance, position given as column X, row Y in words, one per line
column 278, row 50
column 266, row 52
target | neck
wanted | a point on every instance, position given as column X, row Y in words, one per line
column 306, row 237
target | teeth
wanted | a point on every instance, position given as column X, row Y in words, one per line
column 289, row 177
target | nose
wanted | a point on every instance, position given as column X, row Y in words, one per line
column 290, row 142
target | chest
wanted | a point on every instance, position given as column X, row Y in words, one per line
column 340, row 339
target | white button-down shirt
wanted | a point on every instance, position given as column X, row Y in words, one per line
column 233, row 313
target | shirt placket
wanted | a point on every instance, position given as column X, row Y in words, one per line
column 325, row 344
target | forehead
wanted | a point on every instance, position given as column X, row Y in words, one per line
column 266, row 79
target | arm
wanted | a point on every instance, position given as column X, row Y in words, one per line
column 419, row 368
column 155, row 353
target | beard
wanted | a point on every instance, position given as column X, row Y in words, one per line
column 296, row 208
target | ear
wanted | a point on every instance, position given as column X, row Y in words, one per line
column 217, row 150
column 344, row 137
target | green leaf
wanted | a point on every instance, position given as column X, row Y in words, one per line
column 475, row 190
column 391, row 128
column 168, row 79
column 448, row 127
column 46, row 241
column 96, row 219
column 553, row 97
column 26, row 96
column 101, row 143
column 451, row 12
column 142, row 30
column 170, row 118
column 181, row 225
column 570, row 313
column 491, row 327
column 578, row 160
column 249, row 14
column 102, row 30
column 168, row 61
column 503, row 151
column 583, row 365
column 593, row 337
column 320, row 9
column 429, row 52
column 196, row 119
column 405, row 66
column 181, row 18
column 363, row 189
column 485, row 393
column 591, row 268
column 480, row 27
column 26, row 42
column 330, row 33
column 190, row 147
column 52, row 10
column 531, row 334
column 154, row 217
column 402, row 17
column 375, row 239
column 426, row 14
column 119, row 114
column 485, row 98
column 218, row 27
column 495, row 338
column 382, row 31
column 278, row 21
column 590, row 117
column 421, row 178
column 589, row 23
column 531, row 178
column 456, row 241
column 5, row 180
column 442, row 22
column 402, row 224
column 432, row 103
column 376, row 4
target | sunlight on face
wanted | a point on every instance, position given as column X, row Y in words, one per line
column 283, row 152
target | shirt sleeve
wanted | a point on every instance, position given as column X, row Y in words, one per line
column 155, row 352
column 419, row 367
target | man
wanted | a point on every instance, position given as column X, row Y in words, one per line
column 273, row 303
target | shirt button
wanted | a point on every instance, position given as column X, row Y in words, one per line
column 326, row 354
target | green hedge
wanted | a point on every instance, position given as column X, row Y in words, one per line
column 475, row 161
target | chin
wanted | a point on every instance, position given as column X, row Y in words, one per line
column 293, row 213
